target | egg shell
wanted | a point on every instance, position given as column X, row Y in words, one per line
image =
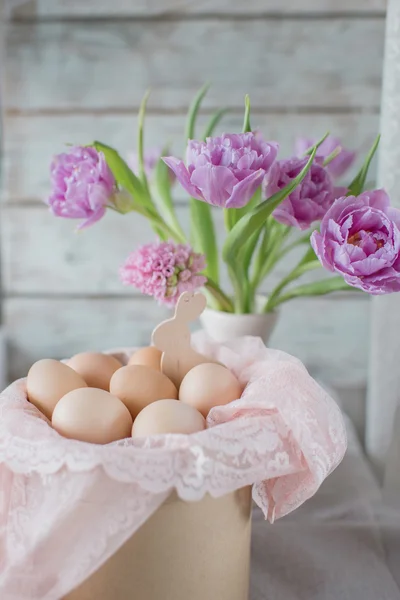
column 209, row 385
column 49, row 380
column 138, row 385
column 149, row 356
column 167, row 416
column 95, row 368
column 92, row 415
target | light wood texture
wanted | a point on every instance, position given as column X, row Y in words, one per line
column 83, row 78
column 43, row 254
column 31, row 141
column 281, row 63
column 173, row 336
column 330, row 335
column 87, row 8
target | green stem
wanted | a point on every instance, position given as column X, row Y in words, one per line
column 171, row 215
column 273, row 258
column 169, row 232
column 223, row 301
column 229, row 219
column 301, row 240
column 295, row 274
column 319, row 288
column 238, row 296
column 115, row 209
column 158, row 224
column 162, row 192
column 269, row 252
column 307, row 263
column 203, row 237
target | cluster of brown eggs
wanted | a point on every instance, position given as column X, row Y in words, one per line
column 94, row 398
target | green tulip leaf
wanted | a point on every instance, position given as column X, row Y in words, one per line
column 358, row 183
column 141, row 117
column 193, row 112
column 123, row 175
column 318, row 288
column 213, row 122
column 307, row 263
column 164, row 198
column 141, row 199
column 246, row 120
column 253, row 221
column 317, row 145
column 203, row 236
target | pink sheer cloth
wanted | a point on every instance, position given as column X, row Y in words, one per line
column 66, row 506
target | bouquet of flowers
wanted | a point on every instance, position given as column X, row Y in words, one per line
column 350, row 231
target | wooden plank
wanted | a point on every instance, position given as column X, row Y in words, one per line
column 43, row 255
column 129, row 8
column 281, row 63
column 53, row 259
column 31, row 140
column 331, row 337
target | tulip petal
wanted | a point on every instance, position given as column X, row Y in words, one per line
column 341, row 163
column 284, row 214
column 377, row 199
column 243, row 191
column 182, row 175
column 215, row 183
column 318, row 245
column 339, row 191
column 95, row 216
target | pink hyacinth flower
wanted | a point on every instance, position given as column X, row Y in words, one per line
column 224, row 171
column 164, row 270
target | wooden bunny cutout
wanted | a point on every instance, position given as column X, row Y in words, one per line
column 172, row 337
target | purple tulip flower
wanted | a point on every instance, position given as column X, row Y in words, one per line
column 82, row 185
column 339, row 165
column 360, row 240
column 311, row 198
column 224, row 171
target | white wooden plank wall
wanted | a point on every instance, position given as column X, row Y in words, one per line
column 76, row 70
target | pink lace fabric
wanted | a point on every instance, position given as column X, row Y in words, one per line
column 66, row 506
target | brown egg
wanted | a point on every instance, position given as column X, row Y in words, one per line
column 149, row 356
column 95, row 368
column 209, row 385
column 138, row 385
column 49, row 380
column 92, row 415
column 167, row 416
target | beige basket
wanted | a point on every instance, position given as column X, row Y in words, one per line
column 185, row 551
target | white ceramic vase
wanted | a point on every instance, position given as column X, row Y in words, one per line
column 224, row 327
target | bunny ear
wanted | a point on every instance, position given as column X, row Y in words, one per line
column 183, row 299
column 190, row 306
column 201, row 302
